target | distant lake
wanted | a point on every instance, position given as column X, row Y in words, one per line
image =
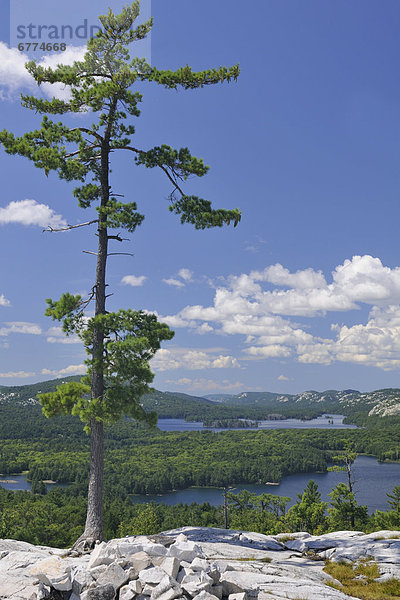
column 373, row 480
column 318, row 423
column 19, row 482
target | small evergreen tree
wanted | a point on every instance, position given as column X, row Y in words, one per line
column 38, row 487
column 346, row 513
column 391, row 518
column 120, row 344
column 275, row 505
column 308, row 514
column 346, row 460
column 394, row 500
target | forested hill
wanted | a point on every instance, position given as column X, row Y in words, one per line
column 177, row 405
column 384, row 402
column 253, row 405
column 26, row 394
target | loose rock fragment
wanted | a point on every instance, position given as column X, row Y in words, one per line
column 103, row 592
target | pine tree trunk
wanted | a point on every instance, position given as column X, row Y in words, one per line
column 94, row 518
column 350, row 484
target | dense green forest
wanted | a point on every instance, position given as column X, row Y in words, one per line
column 143, row 460
column 139, row 459
column 57, row 518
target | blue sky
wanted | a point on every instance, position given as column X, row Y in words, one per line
column 305, row 292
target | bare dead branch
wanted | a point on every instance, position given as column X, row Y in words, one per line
column 88, row 252
column 85, row 303
column 118, row 238
column 120, row 254
column 68, row 227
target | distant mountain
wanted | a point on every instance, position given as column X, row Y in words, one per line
column 27, row 394
column 166, row 404
column 249, row 398
column 380, row 403
column 175, row 404
column 218, row 397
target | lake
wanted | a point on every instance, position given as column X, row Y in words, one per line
column 19, row 482
column 373, row 480
column 318, row 423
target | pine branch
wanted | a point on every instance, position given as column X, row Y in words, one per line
column 172, row 180
column 89, row 131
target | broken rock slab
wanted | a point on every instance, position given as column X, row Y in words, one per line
column 200, row 563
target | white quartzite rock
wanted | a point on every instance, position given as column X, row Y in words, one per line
column 170, row 565
column 199, row 581
column 54, row 572
column 100, row 556
column 115, row 575
column 80, row 578
column 240, row 596
column 234, row 582
column 140, row 560
column 202, row 563
column 185, row 551
column 152, row 576
column 199, row 564
column 206, row 596
column 167, row 589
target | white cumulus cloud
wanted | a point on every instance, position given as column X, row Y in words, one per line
column 186, row 274
column 193, row 360
column 55, row 335
column 70, row 370
column 20, row 327
column 17, row 374
column 15, row 78
column 206, row 385
column 303, row 279
column 246, row 305
column 30, row 212
column 134, row 280
column 4, row 301
column 174, row 282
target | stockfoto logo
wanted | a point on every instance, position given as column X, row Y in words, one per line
column 45, row 26
column 33, row 32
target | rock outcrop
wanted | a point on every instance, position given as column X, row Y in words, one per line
column 200, row 563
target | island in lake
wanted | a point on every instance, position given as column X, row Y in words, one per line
column 230, row 424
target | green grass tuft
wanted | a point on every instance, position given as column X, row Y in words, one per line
column 360, row 580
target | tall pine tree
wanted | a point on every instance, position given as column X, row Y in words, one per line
column 119, row 344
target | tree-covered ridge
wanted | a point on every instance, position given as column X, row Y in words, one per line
column 358, row 407
column 27, row 394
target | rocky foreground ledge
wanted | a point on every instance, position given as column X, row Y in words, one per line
column 201, row 563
